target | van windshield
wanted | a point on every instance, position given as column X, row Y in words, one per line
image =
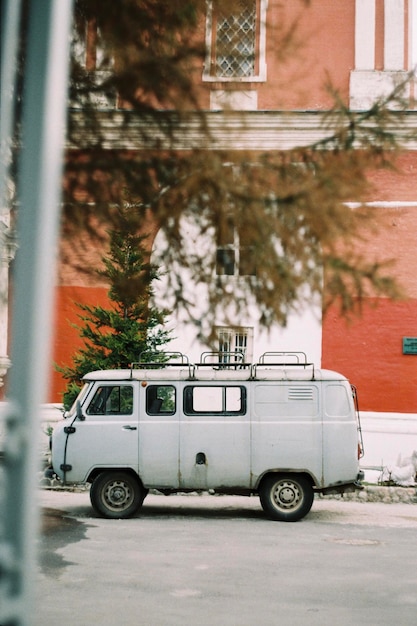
column 79, row 398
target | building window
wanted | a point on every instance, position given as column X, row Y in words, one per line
column 234, row 342
column 234, row 255
column 95, row 66
column 236, row 41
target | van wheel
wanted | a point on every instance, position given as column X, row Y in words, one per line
column 116, row 494
column 286, row 498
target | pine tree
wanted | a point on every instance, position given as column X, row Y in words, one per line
column 130, row 329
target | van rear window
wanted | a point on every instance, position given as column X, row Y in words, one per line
column 337, row 401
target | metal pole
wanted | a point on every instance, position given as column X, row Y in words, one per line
column 10, row 20
column 38, row 186
column 10, row 16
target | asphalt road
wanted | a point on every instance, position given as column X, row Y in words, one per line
column 217, row 561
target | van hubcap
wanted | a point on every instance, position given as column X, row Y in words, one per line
column 287, row 495
column 117, row 494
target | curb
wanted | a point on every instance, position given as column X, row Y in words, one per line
column 388, row 494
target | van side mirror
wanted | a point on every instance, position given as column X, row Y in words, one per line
column 79, row 412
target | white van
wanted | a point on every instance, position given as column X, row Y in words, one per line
column 279, row 428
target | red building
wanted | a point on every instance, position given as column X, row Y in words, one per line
column 364, row 48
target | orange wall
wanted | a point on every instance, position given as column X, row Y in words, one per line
column 369, row 349
column 66, row 338
column 369, row 352
column 323, row 51
column 398, row 183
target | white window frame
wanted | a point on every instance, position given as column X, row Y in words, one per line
column 99, row 74
column 236, row 248
column 235, row 339
column 260, row 52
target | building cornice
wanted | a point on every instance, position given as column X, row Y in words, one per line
column 217, row 130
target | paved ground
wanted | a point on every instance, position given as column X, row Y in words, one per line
column 216, row 560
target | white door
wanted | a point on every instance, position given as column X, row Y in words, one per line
column 108, row 436
column 214, row 437
column 159, row 435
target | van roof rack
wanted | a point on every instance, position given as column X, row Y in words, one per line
column 294, row 359
column 163, row 360
column 282, row 360
column 226, row 365
column 230, row 360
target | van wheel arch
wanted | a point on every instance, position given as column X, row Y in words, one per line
column 126, row 470
column 286, row 496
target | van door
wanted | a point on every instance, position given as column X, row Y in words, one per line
column 108, row 435
column 159, row 435
column 214, row 436
column 340, row 434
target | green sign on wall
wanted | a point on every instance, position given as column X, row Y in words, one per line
column 409, row 345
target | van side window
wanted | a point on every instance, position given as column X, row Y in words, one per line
column 337, row 401
column 160, row 400
column 221, row 400
column 112, row 400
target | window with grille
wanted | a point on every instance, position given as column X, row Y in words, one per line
column 234, row 342
column 236, row 41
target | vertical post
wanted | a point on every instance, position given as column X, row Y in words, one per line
column 38, row 189
column 412, row 21
column 394, row 35
column 365, row 35
column 10, row 19
column 10, row 16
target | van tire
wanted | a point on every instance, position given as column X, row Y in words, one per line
column 286, row 497
column 116, row 495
